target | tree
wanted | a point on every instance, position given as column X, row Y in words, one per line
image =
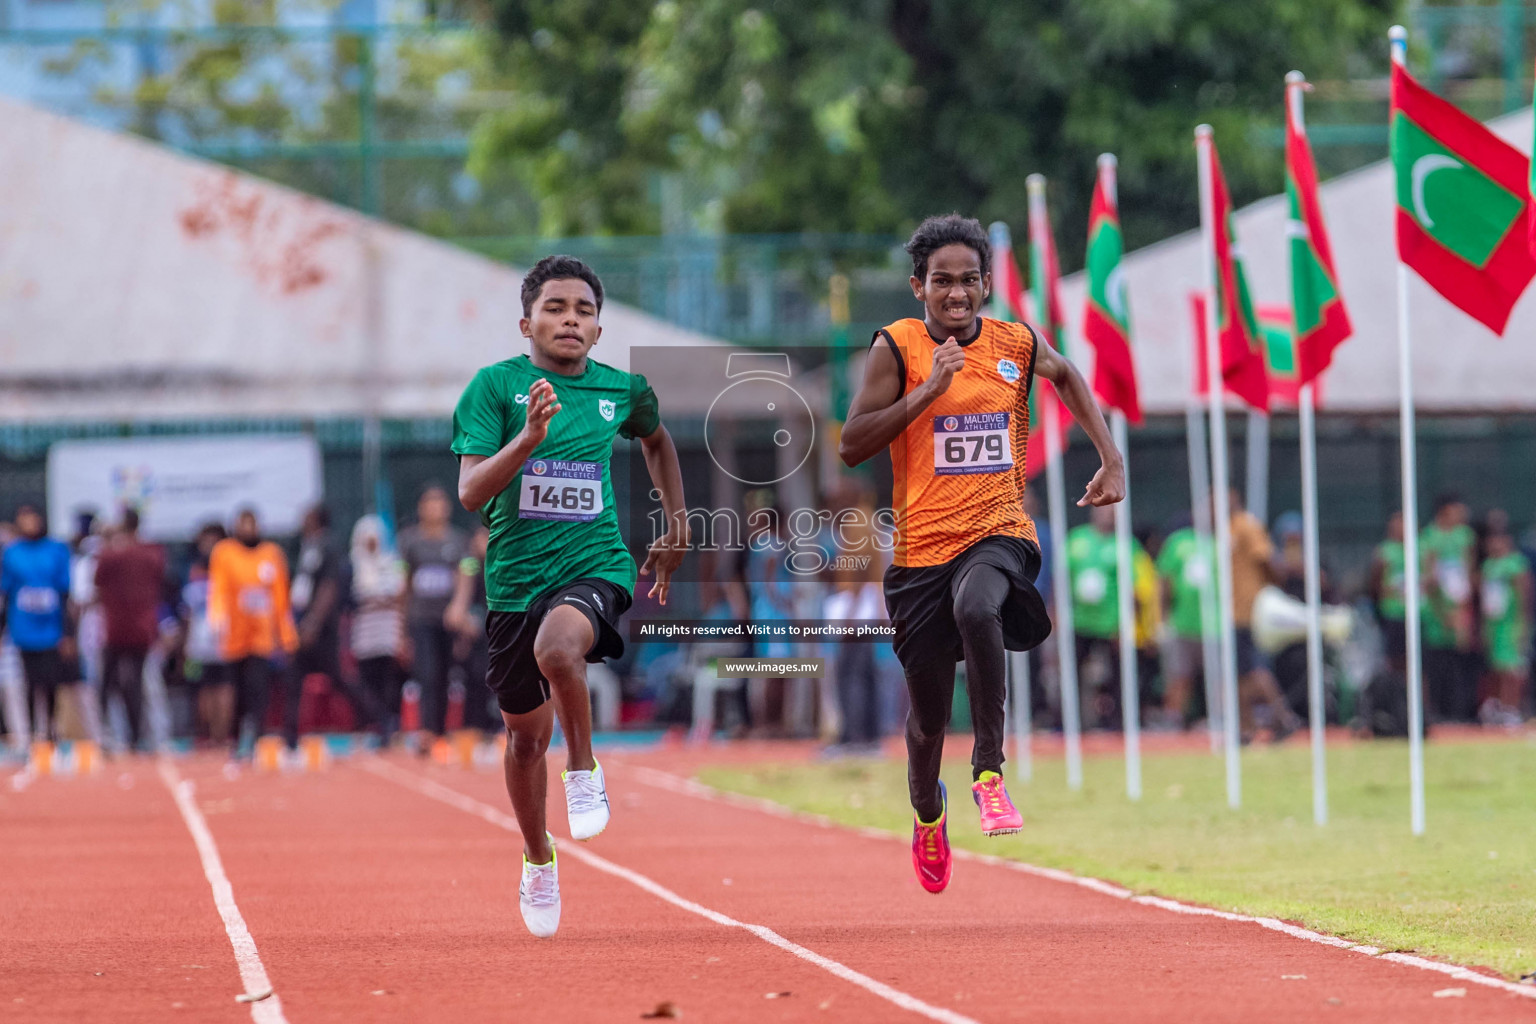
column 865, row 115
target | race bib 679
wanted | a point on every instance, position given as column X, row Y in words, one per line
column 975, row 442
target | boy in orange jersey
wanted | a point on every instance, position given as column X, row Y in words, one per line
column 248, row 610
column 949, row 395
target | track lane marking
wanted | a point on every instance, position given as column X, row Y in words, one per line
column 690, row 787
column 453, row 798
column 266, row 1007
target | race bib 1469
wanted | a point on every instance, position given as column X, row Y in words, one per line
column 975, row 442
column 555, row 489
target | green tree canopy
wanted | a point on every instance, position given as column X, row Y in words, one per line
column 866, row 115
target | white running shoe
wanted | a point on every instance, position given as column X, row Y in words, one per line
column 539, row 894
column 586, row 802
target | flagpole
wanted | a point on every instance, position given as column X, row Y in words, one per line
column 1295, row 85
column 1056, row 496
column 1130, row 685
column 1219, row 483
column 1399, row 39
column 1258, row 465
column 1018, row 665
column 1200, row 514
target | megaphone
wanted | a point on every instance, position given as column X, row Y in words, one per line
column 1279, row 620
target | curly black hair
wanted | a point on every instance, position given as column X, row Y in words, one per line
column 935, row 233
column 558, row 268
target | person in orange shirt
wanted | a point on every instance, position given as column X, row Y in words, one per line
column 949, row 395
column 249, row 612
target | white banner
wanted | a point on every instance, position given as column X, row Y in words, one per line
column 178, row 484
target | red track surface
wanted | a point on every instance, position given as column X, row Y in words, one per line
column 369, row 900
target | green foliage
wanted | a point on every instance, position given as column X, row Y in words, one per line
column 866, row 115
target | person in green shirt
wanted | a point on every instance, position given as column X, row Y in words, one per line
column 1388, row 568
column 1506, row 595
column 1095, row 580
column 1185, row 563
column 534, row 436
column 1447, row 554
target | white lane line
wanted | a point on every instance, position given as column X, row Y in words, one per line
column 266, row 1007
column 689, row 787
column 454, row 798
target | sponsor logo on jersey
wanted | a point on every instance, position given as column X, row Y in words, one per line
column 522, row 399
column 540, row 468
column 1008, row 370
column 607, row 408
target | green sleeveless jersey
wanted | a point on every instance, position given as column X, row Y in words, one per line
column 556, row 522
column 1392, row 604
column 1504, row 612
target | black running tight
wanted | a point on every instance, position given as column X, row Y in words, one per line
column 978, row 602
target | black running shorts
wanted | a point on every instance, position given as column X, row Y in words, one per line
column 921, row 600
column 512, row 672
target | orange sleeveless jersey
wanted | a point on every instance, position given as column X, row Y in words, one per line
column 959, row 466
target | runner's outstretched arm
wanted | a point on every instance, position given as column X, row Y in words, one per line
column 482, row 477
column 1108, row 484
column 667, row 551
column 879, row 412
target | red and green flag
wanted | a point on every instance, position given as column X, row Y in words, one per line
column 1107, row 319
column 1318, row 318
column 1463, row 204
column 1531, row 182
column 1237, row 329
column 1009, row 302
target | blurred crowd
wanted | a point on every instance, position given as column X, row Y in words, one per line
column 113, row 638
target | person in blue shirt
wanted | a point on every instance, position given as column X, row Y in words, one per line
column 34, row 582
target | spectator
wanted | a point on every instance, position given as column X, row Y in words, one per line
column 1507, row 603
column 1095, row 580
column 378, row 623
column 1388, row 567
column 202, row 659
column 1446, row 552
column 856, row 595
column 465, row 618
column 34, row 581
column 248, row 609
column 1185, row 564
column 316, row 596
column 432, row 550
column 1253, row 569
column 130, row 576
column 1148, row 590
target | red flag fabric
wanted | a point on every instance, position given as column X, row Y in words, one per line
column 1320, row 320
column 1242, row 354
column 1463, row 198
column 1010, row 302
column 1107, row 318
column 1201, row 379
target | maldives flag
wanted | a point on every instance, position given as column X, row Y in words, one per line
column 1279, row 342
column 1237, row 329
column 1009, row 302
column 1319, row 320
column 1463, row 198
column 1531, row 207
column 1107, row 320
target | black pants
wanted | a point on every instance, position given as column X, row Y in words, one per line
column 122, row 672
column 324, row 661
column 1450, row 684
column 1101, row 706
column 858, row 691
column 44, row 671
column 432, row 657
column 382, row 677
column 252, row 678
column 978, row 605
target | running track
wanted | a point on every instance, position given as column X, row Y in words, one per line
column 385, row 889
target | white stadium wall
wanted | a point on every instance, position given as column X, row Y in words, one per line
column 1458, row 364
column 139, row 284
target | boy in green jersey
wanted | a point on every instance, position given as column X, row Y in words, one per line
column 1447, row 555
column 1186, row 564
column 1092, row 558
column 534, row 436
column 1388, row 572
column 1506, row 627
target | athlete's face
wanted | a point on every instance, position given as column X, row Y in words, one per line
column 954, row 289
column 563, row 322
column 247, row 530
column 29, row 522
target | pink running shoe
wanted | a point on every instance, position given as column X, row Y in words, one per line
column 998, row 815
column 930, row 849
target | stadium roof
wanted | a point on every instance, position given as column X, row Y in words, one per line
column 1458, row 364
column 141, row 284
